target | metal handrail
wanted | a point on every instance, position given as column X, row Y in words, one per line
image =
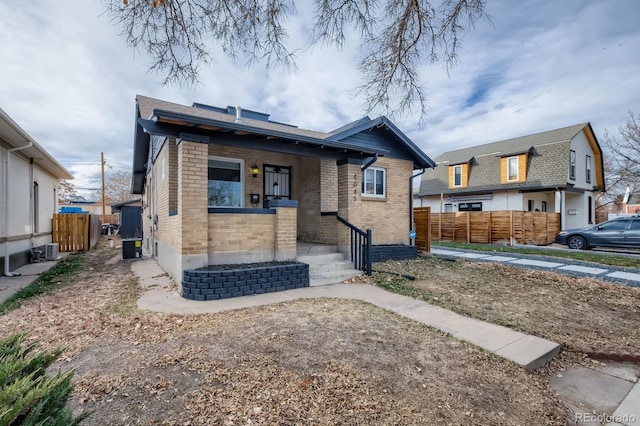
column 360, row 246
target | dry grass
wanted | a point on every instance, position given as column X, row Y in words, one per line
column 578, row 313
column 304, row 362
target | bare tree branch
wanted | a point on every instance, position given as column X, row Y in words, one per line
column 397, row 37
column 622, row 164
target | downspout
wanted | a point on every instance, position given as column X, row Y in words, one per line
column 411, row 201
column 8, row 273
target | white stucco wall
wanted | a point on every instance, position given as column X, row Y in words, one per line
column 581, row 146
column 511, row 200
column 21, row 228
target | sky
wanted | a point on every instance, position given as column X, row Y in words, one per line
column 69, row 80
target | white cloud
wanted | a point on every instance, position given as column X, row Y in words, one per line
column 69, row 80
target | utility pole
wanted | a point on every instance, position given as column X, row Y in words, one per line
column 103, row 203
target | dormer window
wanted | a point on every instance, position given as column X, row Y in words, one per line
column 512, row 169
column 457, row 175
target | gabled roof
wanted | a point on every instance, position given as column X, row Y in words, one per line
column 548, row 163
column 15, row 136
column 254, row 130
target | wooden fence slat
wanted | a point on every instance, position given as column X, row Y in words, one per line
column 511, row 227
column 75, row 232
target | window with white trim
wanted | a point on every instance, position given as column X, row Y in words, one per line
column 588, row 169
column 572, row 165
column 225, row 182
column 457, row 175
column 373, row 182
column 512, row 168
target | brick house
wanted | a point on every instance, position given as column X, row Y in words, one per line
column 554, row 171
column 229, row 186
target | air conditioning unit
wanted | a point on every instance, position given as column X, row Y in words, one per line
column 132, row 248
column 51, row 251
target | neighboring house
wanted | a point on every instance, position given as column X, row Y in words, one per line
column 227, row 185
column 554, row 171
column 29, row 179
column 633, row 204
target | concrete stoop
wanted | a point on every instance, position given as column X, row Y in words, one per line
column 326, row 267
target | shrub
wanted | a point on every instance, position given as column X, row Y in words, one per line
column 27, row 395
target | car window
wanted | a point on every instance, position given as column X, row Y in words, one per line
column 613, row 225
column 635, row 225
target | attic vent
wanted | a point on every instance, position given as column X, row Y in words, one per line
column 238, row 114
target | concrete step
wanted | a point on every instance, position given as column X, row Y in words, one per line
column 312, row 248
column 330, row 266
column 332, row 277
column 320, row 259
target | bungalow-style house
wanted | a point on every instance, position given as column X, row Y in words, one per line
column 553, row 171
column 29, row 179
column 228, row 185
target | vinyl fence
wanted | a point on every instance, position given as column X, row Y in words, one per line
column 492, row 227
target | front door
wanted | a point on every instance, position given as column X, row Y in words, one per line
column 277, row 183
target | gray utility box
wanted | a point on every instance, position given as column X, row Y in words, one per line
column 131, row 248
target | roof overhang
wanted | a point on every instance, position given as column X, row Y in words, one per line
column 420, row 159
column 16, row 137
column 205, row 130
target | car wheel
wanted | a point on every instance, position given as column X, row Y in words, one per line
column 577, row 243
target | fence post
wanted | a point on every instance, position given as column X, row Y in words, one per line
column 511, row 232
column 369, row 238
column 429, row 230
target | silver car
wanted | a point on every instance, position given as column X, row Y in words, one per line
column 618, row 232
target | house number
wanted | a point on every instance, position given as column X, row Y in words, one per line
column 355, row 187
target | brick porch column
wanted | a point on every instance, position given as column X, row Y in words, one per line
column 286, row 228
column 192, row 203
column 349, row 199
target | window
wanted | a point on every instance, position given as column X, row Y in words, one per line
column 544, row 206
column 457, row 175
column 614, row 225
column 512, row 168
column 373, row 182
column 225, row 182
column 588, row 169
column 572, row 165
column 590, row 209
column 470, row 207
column 635, row 225
column 448, row 208
column 530, row 205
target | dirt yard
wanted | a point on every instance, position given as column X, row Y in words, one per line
column 579, row 313
column 305, row 362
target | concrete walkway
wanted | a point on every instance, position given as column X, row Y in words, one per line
column 28, row 274
column 528, row 351
column 626, row 276
column 613, row 389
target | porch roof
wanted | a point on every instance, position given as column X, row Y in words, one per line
column 201, row 123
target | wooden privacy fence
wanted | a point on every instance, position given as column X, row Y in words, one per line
column 422, row 221
column 76, row 232
column 511, row 227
